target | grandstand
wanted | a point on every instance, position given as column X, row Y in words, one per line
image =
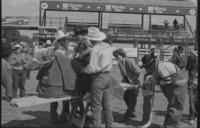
column 140, row 34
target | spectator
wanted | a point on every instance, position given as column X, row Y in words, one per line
column 192, row 67
column 175, row 23
column 178, row 57
column 18, row 60
column 166, row 24
column 130, row 72
column 47, row 44
column 6, row 69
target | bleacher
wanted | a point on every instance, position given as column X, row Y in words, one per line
column 169, row 36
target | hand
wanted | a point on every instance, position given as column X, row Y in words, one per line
column 9, row 99
column 28, row 74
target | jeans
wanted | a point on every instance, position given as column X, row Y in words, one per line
column 19, row 79
column 130, row 98
column 176, row 96
column 53, row 110
column 147, row 108
column 100, row 99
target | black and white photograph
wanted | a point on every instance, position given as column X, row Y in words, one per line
column 99, row 64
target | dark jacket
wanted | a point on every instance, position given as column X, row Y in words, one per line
column 192, row 62
column 61, row 71
column 83, row 80
column 129, row 70
column 56, row 77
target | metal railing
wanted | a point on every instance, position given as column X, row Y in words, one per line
column 189, row 28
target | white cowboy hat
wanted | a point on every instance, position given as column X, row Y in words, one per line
column 17, row 46
column 152, row 47
column 48, row 42
column 95, row 34
column 59, row 35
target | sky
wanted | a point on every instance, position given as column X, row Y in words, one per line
column 31, row 8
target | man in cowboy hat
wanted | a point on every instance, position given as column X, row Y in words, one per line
column 99, row 66
column 18, row 60
column 6, row 69
column 173, row 85
column 130, row 72
column 58, row 75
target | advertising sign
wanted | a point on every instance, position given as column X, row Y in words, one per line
column 59, row 6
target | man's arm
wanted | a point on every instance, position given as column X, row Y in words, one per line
column 93, row 61
column 7, row 80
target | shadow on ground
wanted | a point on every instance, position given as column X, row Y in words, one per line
column 163, row 113
column 41, row 119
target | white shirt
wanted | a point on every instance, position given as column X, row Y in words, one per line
column 100, row 59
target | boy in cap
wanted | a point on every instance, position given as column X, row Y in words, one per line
column 130, row 72
column 99, row 67
column 6, row 69
column 18, row 60
column 173, row 85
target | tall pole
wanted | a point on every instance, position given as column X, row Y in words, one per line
column 40, row 16
column 197, row 25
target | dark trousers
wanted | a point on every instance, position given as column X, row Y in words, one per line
column 53, row 110
column 100, row 99
column 19, row 79
column 130, row 98
column 147, row 100
column 176, row 96
column 193, row 94
column 147, row 108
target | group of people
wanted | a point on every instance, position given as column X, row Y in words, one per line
column 176, row 25
column 85, row 66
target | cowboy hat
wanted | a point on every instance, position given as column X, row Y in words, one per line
column 152, row 47
column 59, row 35
column 95, row 34
column 6, row 48
column 48, row 42
column 147, row 60
column 80, row 31
column 17, row 46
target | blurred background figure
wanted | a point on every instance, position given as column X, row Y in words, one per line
column 47, row 44
column 178, row 57
column 192, row 67
column 176, row 24
column 166, row 24
column 18, row 60
column 6, row 69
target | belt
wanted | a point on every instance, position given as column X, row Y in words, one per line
column 98, row 73
column 18, row 68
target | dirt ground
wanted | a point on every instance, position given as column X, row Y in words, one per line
column 39, row 116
